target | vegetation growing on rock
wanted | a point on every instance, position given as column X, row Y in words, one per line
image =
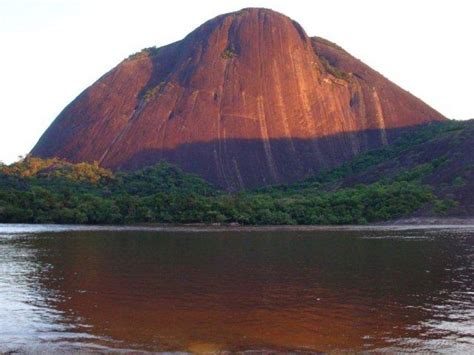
column 150, row 51
column 338, row 73
column 229, row 53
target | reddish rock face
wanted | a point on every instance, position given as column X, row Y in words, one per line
column 246, row 100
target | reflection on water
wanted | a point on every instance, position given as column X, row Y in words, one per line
column 160, row 290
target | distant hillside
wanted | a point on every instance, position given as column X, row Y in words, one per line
column 439, row 155
column 427, row 172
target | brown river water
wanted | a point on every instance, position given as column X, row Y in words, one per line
column 114, row 289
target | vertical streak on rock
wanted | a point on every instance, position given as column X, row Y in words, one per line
column 164, row 125
column 239, row 175
column 282, row 108
column 347, row 119
column 221, row 140
column 362, row 123
column 379, row 117
column 224, row 160
column 307, row 112
column 218, row 152
column 261, row 107
column 124, row 130
column 194, row 96
column 265, row 138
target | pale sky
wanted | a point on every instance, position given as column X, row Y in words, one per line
column 51, row 50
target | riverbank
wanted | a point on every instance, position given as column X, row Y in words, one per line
column 404, row 224
column 455, row 221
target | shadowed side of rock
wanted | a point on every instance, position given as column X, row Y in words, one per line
column 245, row 163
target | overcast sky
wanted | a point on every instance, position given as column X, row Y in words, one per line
column 51, row 50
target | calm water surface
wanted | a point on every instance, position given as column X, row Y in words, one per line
column 64, row 289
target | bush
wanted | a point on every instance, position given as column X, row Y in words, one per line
column 334, row 71
column 228, row 53
column 150, row 52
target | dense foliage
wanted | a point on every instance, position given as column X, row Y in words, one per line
column 52, row 191
column 166, row 195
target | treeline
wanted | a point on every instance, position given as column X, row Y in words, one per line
column 52, row 191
